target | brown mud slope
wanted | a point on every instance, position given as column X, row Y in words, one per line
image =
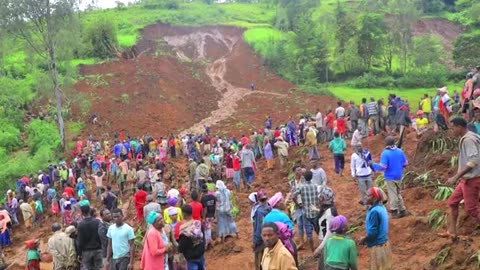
column 155, row 94
column 446, row 30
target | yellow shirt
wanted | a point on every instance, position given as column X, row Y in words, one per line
column 421, row 123
column 166, row 216
column 426, row 105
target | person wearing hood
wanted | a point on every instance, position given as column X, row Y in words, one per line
column 338, row 147
column 226, row 223
column 172, row 203
column 156, row 245
column 392, row 162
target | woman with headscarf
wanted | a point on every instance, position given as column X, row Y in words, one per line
column 327, row 214
column 268, row 153
column 340, row 251
column 277, row 214
column 172, row 203
column 5, row 221
column 226, row 225
column 376, row 227
column 283, row 221
column 156, row 245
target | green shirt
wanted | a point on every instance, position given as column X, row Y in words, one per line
column 33, row 254
column 337, row 145
column 340, row 251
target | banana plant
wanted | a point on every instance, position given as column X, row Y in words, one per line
column 443, row 193
column 436, row 218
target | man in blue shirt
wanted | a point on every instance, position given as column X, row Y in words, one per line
column 376, row 226
column 392, row 163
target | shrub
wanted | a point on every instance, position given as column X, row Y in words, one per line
column 430, row 78
column 42, row 134
column 101, row 37
column 9, row 136
column 369, row 80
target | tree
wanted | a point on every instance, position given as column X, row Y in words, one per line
column 370, row 38
column 465, row 50
column 402, row 14
column 427, row 51
column 38, row 23
column 344, row 32
column 102, row 37
column 289, row 12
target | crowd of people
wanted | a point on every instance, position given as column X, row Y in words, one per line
column 183, row 217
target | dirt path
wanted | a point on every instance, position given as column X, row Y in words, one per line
column 216, row 71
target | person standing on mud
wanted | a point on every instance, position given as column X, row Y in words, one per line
column 376, row 226
column 259, row 211
column 307, row 198
column 275, row 255
column 252, row 86
column 468, row 188
column 392, row 162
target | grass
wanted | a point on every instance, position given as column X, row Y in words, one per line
column 413, row 95
column 261, row 37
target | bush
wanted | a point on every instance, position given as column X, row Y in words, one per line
column 431, row 78
column 101, row 37
column 42, row 134
column 369, row 80
column 9, row 136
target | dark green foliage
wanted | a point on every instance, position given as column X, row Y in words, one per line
column 9, row 136
column 42, row 134
column 101, row 36
column 370, row 38
column 465, row 51
column 431, row 6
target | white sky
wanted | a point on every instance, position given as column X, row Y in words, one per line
column 104, row 3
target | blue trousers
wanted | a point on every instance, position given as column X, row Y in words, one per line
column 198, row 264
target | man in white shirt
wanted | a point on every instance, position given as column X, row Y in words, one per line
column 362, row 172
column 319, row 120
column 339, row 111
column 319, row 177
column 357, row 137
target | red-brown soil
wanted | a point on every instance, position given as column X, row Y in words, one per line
column 165, row 96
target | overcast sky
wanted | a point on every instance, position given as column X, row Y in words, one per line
column 104, row 3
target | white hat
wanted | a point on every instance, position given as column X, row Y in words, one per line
column 253, row 197
column 442, row 90
column 9, row 191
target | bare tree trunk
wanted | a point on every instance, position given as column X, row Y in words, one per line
column 54, row 76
